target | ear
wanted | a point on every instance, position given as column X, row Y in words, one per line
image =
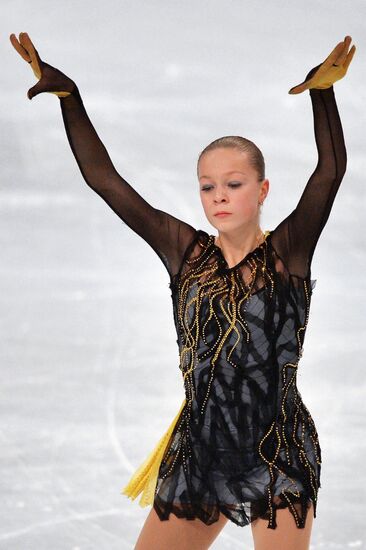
column 264, row 189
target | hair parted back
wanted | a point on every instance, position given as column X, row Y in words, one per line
column 243, row 145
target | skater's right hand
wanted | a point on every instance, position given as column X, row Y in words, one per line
column 50, row 79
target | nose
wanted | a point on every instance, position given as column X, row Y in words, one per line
column 219, row 195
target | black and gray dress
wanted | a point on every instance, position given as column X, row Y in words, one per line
column 245, row 443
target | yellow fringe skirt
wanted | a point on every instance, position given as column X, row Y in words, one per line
column 145, row 477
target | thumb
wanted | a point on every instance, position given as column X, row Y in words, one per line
column 36, row 89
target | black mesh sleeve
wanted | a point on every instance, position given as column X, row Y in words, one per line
column 168, row 236
column 295, row 238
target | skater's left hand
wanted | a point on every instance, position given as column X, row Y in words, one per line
column 332, row 69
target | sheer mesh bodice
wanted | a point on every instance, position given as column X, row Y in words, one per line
column 244, row 443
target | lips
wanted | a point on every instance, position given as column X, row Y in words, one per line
column 222, row 213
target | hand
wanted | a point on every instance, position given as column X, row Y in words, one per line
column 50, row 79
column 332, row 69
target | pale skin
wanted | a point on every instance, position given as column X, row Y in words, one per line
column 239, row 192
column 182, row 534
column 229, row 183
column 238, row 234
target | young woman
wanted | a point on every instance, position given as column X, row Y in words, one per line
column 243, row 446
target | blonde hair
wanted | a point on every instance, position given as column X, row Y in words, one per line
column 243, row 145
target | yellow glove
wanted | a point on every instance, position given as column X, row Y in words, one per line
column 50, row 79
column 332, row 69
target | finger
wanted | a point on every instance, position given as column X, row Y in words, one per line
column 35, row 90
column 27, row 43
column 35, row 59
column 293, row 91
column 342, row 57
column 333, row 56
column 19, row 48
column 307, row 82
column 347, row 41
column 336, row 56
column 300, row 87
column 349, row 57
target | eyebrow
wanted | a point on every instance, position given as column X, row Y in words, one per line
column 226, row 174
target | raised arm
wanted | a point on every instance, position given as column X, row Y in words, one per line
column 296, row 237
column 168, row 236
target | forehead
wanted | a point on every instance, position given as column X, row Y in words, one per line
column 219, row 162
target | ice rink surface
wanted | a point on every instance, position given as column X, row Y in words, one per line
column 88, row 354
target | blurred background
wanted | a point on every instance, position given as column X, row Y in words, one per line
column 89, row 361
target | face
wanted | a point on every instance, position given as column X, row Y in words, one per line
column 229, row 183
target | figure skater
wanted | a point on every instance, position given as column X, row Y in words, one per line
column 243, row 446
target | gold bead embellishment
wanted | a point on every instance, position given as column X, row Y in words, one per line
column 289, row 384
column 204, row 282
column 213, row 304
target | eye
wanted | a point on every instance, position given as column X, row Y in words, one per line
column 231, row 184
column 238, row 184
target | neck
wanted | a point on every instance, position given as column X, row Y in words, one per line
column 236, row 246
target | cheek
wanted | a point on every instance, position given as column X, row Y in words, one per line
column 246, row 202
column 204, row 202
